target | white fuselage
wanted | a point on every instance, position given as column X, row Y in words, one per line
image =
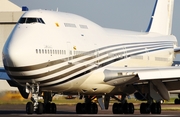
column 68, row 53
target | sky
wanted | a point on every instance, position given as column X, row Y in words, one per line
column 120, row 14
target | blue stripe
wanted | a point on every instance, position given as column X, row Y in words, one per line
column 151, row 20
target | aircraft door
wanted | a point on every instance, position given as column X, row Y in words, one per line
column 147, row 57
column 96, row 53
column 69, row 52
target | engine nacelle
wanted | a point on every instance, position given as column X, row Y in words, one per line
column 141, row 97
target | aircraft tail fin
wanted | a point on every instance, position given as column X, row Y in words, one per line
column 161, row 19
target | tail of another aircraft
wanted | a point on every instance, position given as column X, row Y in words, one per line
column 161, row 20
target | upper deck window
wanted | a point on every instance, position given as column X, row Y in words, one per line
column 30, row 20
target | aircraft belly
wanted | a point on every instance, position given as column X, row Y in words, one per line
column 94, row 84
column 88, row 84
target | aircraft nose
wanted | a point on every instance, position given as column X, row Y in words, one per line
column 17, row 51
column 9, row 55
column 12, row 52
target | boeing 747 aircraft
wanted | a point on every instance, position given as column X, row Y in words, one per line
column 50, row 52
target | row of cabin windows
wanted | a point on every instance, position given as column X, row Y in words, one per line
column 45, row 51
column 161, row 59
column 63, row 52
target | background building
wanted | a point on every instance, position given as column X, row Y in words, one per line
column 9, row 15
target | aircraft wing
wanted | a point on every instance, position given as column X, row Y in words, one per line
column 127, row 75
column 177, row 50
column 176, row 63
column 3, row 74
column 164, row 79
column 12, row 83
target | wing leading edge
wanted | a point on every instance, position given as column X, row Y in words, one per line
column 177, row 50
column 3, row 74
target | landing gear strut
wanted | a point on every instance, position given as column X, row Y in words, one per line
column 88, row 107
column 34, row 105
column 151, row 106
column 39, row 107
column 48, row 106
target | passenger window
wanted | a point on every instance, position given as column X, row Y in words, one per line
column 37, row 51
column 55, row 51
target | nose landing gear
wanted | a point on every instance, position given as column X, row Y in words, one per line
column 35, row 105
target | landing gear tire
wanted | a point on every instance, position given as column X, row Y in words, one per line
column 131, row 108
column 54, row 108
column 120, row 108
column 50, row 108
column 177, row 101
column 40, row 108
column 156, row 108
column 93, row 108
column 47, row 107
column 126, row 108
column 145, row 108
column 115, row 108
column 78, row 108
column 29, row 108
column 82, row 108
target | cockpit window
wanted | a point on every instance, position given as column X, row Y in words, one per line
column 22, row 20
column 28, row 20
column 31, row 20
column 40, row 20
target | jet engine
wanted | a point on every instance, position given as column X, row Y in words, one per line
column 140, row 96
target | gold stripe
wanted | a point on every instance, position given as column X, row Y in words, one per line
column 76, row 70
column 51, row 63
column 64, row 67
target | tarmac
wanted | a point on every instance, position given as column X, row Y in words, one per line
column 18, row 110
